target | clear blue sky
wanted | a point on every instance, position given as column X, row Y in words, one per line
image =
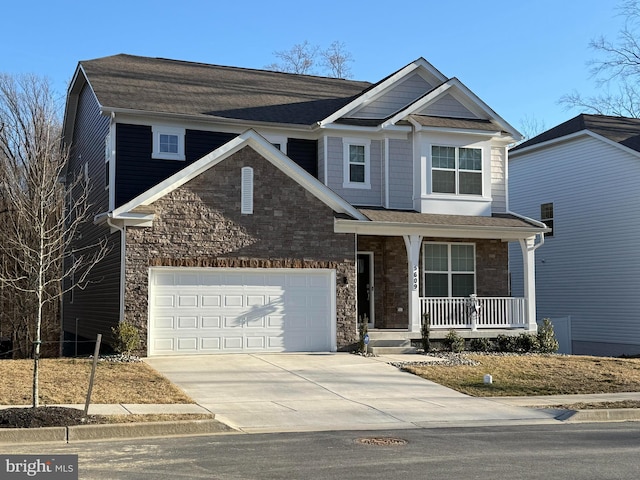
column 519, row 57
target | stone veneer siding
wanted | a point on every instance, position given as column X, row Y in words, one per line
column 200, row 225
column 391, row 281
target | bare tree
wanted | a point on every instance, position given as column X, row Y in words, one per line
column 530, row 126
column 300, row 58
column 616, row 70
column 336, row 60
column 38, row 230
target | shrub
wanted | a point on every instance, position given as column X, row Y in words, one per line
column 425, row 330
column 480, row 345
column 127, row 338
column 506, row 343
column 547, row 338
column 454, row 342
column 363, row 329
column 527, row 342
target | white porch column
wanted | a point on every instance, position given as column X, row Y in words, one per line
column 413, row 243
column 528, row 247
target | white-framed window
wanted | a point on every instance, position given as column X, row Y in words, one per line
column 246, row 201
column 546, row 217
column 456, row 170
column 449, row 269
column 278, row 141
column 357, row 163
column 108, row 156
column 168, row 142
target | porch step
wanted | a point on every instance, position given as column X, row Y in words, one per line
column 391, row 346
column 391, row 350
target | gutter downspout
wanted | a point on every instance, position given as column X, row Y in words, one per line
column 123, row 246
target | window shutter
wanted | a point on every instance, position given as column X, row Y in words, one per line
column 247, row 191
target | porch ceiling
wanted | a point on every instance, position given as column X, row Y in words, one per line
column 394, row 223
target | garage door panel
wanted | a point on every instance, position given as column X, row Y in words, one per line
column 164, row 323
column 239, row 311
column 187, row 322
column 211, row 322
column 233, row 301
column 162, row 301
column 187, row 344
column 233, row 342
column 186, row 301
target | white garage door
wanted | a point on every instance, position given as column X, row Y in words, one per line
column 211, row 310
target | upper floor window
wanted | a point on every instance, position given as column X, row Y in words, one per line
column 449, row 269
column 456, row 170
column 168, row 143
column 357, row 163
column 546, row 217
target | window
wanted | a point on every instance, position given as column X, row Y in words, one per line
column 246, row 202
column 449, row 269
column 357, row 163
column 546, row 217
column 108, row 153
column 456, row 170
column 168, row 143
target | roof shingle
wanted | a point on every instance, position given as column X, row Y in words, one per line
column 177, row 87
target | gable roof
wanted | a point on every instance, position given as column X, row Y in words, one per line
column 134, row 209
column 157, row 85
column 622, row 130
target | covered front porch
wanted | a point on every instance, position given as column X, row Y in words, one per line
column 450, row 270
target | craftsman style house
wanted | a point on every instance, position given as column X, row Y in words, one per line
column 252, row 211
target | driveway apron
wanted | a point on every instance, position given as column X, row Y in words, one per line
column 334, row 391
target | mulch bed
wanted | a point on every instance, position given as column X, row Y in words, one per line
column 44, row 417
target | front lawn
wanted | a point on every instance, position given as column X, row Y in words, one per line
column 524, row 375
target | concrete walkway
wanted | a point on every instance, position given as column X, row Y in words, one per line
column 310, row 392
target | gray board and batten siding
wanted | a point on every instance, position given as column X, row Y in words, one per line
column 590, row 268
column 137, row 171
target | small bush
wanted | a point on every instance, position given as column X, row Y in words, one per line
column 506, row 343
column 547, row 338
column 127, row 338
column 454, row 342
column 363, row 329
column 527, row 342
column 426, row 333
column 480, row 345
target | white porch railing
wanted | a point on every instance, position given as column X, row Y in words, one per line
column 458, row 312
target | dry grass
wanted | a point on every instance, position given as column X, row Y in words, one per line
column 537, row 375
column 165, row 417
column 64, row 381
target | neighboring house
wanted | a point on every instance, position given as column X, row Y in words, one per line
column 251, row 210
column 581, row 178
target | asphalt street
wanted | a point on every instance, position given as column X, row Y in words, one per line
column 562, row 452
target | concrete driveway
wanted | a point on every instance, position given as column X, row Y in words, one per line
column 334, row 391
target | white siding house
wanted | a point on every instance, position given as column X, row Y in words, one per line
column 583, row 176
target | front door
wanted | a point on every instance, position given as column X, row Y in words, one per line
column 365, row 287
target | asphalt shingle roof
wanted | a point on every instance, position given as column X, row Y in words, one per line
column 397, row 216
column 178, row 87
column 622, row 130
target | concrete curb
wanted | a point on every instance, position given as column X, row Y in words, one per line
column 601, row 415
column 113, row 431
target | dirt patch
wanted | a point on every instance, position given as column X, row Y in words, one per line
column 44, row 417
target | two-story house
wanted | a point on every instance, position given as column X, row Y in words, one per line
column 251, row 210
column 581, row 178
